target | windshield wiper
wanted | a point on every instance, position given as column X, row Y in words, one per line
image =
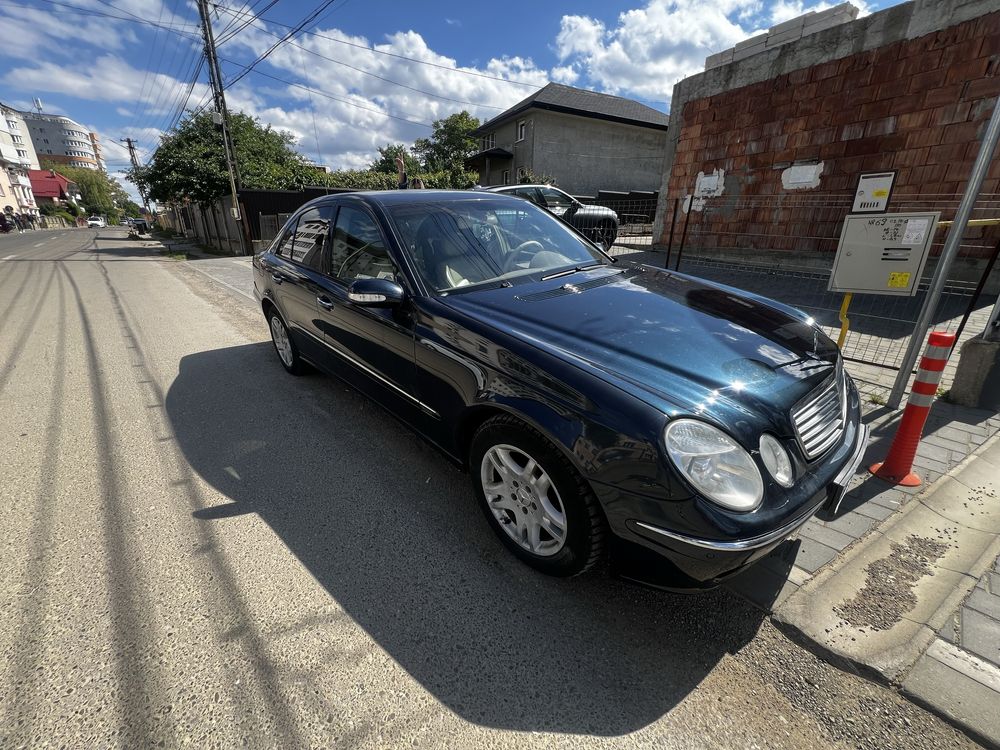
column 573, row 270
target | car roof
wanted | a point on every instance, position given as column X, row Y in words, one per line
column 498, row 188
column 410, row 197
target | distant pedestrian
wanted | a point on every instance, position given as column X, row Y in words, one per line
column 404, row 182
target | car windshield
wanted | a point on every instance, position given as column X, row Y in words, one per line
column 480, row 241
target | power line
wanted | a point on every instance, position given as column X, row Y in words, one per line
column 91, row 12
column 369, row 73
column 333, row 97
column 323, row 6
column 403, row 57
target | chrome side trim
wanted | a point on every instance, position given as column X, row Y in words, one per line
column 362, row 366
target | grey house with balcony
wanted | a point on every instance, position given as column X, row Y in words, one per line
column 585, row 141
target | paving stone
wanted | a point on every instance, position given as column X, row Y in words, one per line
column 813, row 555
column 853, row 524
column 984, row 602
column 964, row 700
column 891, row 498
column 950, row 630
column 981, row 635
column 874, row 511
column 830, row 537
column 952, row 446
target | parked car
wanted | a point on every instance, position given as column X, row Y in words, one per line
column 590, row 399
column 96, row 221
column 596, row 222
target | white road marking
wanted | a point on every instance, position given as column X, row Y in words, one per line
column 39, row 244
column 10, row 257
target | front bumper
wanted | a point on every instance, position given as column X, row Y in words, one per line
column 702, row 561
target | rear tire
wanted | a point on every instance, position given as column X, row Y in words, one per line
column 535, row 500
column 284, row 347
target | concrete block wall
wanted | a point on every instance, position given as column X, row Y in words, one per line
column 916, row 105
column 785, row 32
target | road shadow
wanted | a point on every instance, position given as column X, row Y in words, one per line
column 389, row 528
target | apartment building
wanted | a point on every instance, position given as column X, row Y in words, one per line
column 17, row 156
column 62, row 140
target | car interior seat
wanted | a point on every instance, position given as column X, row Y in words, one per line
column 443, row 261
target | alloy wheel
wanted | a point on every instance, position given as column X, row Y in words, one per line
column 281, row 342
column 522, row 497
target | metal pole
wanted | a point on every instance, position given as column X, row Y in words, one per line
column 215, row 78
column 670, row 239
column 948, row 253
column 684, row 234
column 135, row 165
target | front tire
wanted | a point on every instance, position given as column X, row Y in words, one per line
column 284, row 347
column 535, row 500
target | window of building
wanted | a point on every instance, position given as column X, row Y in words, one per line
column 22, row 153
column 12, row 124
column 17, row 139
column 489, row 141
column 506, row 177
column 522, row 129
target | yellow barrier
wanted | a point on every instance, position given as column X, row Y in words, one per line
column 973, row 223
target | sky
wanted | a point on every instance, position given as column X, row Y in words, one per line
column 360, row 73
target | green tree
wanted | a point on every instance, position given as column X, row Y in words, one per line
column 450, row 144
column 386, row 162
column 190, row 164
column 99, row 192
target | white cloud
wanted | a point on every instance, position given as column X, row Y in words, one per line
column 565, row 74
column 653, row 47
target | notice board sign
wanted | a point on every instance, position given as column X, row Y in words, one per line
column 883, row 254
column 873, row 192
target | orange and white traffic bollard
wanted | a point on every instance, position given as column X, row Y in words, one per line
column 898, row 465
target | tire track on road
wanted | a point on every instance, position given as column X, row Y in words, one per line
column 224, row 593
column 27, row 327
column 138, row 676
column 33, row 600
column 29, row 272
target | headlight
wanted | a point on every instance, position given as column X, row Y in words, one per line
column 714, row 463
column 776, row 459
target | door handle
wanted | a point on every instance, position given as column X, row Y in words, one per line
column 325, row 303
column 278, row 278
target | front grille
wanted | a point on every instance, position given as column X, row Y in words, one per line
column 820, row 417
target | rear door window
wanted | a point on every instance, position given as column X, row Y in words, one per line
column 311, row 238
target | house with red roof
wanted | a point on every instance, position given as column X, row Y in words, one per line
column 52, row 187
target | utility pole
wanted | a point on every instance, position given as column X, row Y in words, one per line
column 135, row 164
column 221, row 116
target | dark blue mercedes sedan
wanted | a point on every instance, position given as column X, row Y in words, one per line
column 599, row 406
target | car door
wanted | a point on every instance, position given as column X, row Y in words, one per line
column 374, row 342
column 297, row 267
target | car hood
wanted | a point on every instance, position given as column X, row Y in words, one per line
column 680, row 343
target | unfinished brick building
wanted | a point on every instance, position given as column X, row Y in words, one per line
column 766, row 150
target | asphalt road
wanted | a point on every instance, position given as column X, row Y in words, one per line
column 200, row 549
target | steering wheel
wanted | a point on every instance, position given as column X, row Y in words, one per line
column 532, row 246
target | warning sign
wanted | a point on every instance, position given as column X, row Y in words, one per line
column 898, row 280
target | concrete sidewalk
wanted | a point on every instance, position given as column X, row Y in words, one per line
column 917, row 603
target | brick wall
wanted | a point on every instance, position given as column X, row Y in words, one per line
column 917, row 106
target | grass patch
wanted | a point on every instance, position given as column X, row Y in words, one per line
column 174, row 254
column 876, row 398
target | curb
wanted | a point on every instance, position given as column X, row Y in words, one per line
column 885, row 659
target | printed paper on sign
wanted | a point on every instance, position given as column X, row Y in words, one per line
column 898, row 280
column 915, row 231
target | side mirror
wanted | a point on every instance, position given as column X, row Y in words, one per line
column 375, row 293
